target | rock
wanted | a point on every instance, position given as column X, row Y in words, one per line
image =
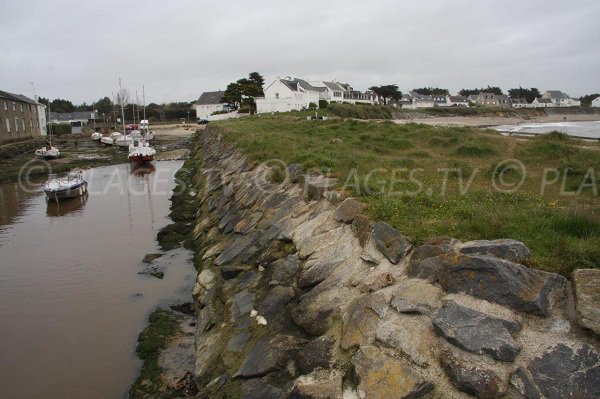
column 492, row 279
column 383, row 377
column 477, row 332
column 255, row 389
column 348, row 210
column 362, row 228
column 177, row 360
column 405, row 306
column 586, row 287
column 316, row 309
column 335, row 197
column 238, row 247
column 242, row 305
column 228, row 272
column 320, row 384
column 562, row 371
column 419, row 293
column 205, row 287
column 215, row 249
column 293, row 172
column 316, row 354
column 284, row 269
column 390, row 242
column 511, row 250
column 360, row 321
column 434, row 247
column 471, row 379
column 315, row 186
column 379, row 281
column 154, row 271
column 409, row 336
column 238, row 342
column 207, row 351
column 314, row 243
column 150, row 257
column 269, row 354
column 248, row 222
column 272, row 308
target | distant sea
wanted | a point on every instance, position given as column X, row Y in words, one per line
column 582, row 129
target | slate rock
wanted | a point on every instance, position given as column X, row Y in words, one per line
column 477, row 332
column 269, row 354
column 284, row 270
column 562, row 371
column 586, row 287
column 294, row 171
column 242, row 305
column 320, row 384
column 507, row 249
column 360, row 321
column 434, row 247
column 238, row 247
column 493, row 279
column 205, row 287
column 405, row 306
column 411, row 337
column 348, row 210
column 273, row 308
column 228, row 271
column 255, row 389
column 390, row 242
column 315, row 186
column 150, row 257
column 474, row 380
column 362, row 228
column 238, row 342
column 383, row 377
column 316, row 354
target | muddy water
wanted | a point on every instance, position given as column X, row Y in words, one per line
column 71, row 300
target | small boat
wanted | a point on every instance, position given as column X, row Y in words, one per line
column 116, row 135
column 107, row 140
column 73, row 185
column 140, row 152
column 47, row 152
column 96, row 136
column 123, row 141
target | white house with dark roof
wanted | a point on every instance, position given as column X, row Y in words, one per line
column 284, row 95
column 596, row 102
column 540, row 102
column 560, row 99
column 209, row 102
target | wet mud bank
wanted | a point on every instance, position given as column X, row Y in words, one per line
column 298, row 295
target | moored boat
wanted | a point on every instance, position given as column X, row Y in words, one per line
column 96, row 136
column 47, row 152
column 73, row 185
column 140, row 152
column 123, row 141
column 107, row 140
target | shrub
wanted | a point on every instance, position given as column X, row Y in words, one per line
column 474, row 151
column 60, row 128
column 312, row 106
column 323, row 104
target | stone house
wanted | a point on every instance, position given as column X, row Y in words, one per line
column 19, row 118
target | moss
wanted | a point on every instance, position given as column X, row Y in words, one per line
column 162, row 328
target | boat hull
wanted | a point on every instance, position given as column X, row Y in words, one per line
column 70, row 192
column 139, row 158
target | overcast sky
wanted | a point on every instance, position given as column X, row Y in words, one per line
column 77, row 50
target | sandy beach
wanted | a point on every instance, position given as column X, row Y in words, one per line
column 486, row 121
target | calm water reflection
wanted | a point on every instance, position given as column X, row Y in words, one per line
column 71, row 299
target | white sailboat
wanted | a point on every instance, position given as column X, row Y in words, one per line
column 140, row 150
column 48, row 151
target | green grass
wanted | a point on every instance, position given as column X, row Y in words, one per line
column 451, row 191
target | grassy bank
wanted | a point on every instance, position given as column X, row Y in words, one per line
column 428, row 181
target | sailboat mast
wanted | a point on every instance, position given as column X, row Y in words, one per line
column 144, row 100
column 49, row 124
column 122, row 105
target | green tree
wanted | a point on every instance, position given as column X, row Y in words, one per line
column 528, row 94
column 586, row 100
column 490, row 89
column 104, row 106
column 60, row 105
column 386, row 92
column 429, row 91
column 243, row 92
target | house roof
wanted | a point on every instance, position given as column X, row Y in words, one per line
column 544, row 100
column 71, row 116
column 211, row 97
column 334, row 86
column 555, row 94
column 458, row 99
column 16, row 97
column 307, row 86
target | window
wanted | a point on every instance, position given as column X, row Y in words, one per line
column 14, row 106
column 7, row 124
column 23, row 123
column 5, row 105
column 16, row 124
column 21, row 107
column 276, row 95
column 31, row 123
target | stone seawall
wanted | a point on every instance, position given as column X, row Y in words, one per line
column 299, row 295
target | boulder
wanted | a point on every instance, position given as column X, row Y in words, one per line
column 315, row 186
column 493, row 279
column 269, row 354
column 586, row 287
column 242, row 305
column 272, row 308
column 383, row 377
column 205, row 287
column 315, row 354
column 390, row 242
column 562, row 371
column 409, row 336
column 360, row 321
column 405, row 306
column 254, row 389
column 320, row 384
column 293, row 172
column 239, row 247
column 150, row 257
column 228, row 271
column 362, row 228
column 511, row 250
column 238, row 342
column 472, row 379
column 477, row 332
column 284, row 270
column 348, row 210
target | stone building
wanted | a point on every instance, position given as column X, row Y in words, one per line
column 19, row 118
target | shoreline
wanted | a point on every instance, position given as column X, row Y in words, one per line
column 489, row 121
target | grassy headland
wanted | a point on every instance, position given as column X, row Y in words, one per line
column 428, row 181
